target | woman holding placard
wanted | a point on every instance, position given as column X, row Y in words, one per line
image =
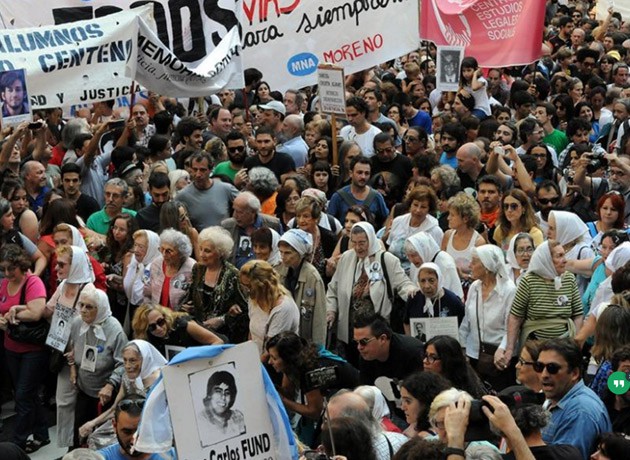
column 75, row 272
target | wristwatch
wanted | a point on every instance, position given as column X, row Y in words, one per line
column 454, row 451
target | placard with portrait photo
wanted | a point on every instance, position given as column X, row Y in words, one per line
column 15, row 107
column 449, row 60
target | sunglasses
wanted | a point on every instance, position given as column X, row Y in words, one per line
column 548, row 200
column 364, row 341
column 552, row 368
column 159, row 323
column 236, row 149
column 127, row 404
column 522, row 362
column 512, row 206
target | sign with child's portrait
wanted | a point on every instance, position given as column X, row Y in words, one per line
column 218, row 407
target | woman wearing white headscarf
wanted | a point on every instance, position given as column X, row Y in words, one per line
column 519, row 254
column 433, row 300
column 359, row 283
column 304, row 282
column 573, row 234
column 487, row 307
column 421, row 248
column 377, row 404
column 98, row 340
column 75, row 272
column 547, row 303
column 143, row 363
column 146, row 247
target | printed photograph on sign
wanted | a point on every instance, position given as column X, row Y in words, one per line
column 214, row 394
column 426, row 328
column 14, row 96
column 172, row 351
column 59, row 333
column 449, row 59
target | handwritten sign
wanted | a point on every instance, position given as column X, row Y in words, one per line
column 59, row 333
column 332, row 90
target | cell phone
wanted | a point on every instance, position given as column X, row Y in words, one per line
column 35, row 125
column 499, row 150
column 113, row 124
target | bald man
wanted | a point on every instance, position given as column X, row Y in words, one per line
column 348, row 404
column 34, row 178
column 292, row 128
column 469, row 166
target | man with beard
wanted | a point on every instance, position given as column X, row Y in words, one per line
column 359, row 129
column 578, row 131
column 126, row 421
column 115, row 193
column 208, row 200
column 294, row 145
column 547, row 200
column 489, row 193
column 236, row 148
column 189, row 131
column 398, row 165
column 160, row 189
column 71, row 183
column 453, row 137
column 281, row 164
column 34, row 178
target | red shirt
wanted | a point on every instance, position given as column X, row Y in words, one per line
column 165, row 299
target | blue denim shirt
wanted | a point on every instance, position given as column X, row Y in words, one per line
column 577, row 419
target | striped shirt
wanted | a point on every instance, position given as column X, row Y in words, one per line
column 536, row 299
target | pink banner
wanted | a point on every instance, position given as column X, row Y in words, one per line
column 497, row 32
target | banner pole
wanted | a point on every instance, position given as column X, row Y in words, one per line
column 132, row 99
column 335, row 143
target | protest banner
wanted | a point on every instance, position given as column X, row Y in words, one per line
column 75, row 62
column 217, row 402
column 497, row 34
column 622, row 7
column 187, row 48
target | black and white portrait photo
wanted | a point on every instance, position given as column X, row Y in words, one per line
column 215, row 397
column 449, row 59
column 14, row 96
column 244, row 246
column 420, row 332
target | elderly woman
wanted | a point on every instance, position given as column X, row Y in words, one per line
column 175, row 215
column 423, row 203
column 22, row 299
column 142, row 362
column 432, row 300
column 179, row 180
column 265, row 245
column 421, row 248
column 163, row 327
column 573, row 234
column 171, row 271
column 459, row 241
column 547, row 302
column 264, row 184
column 487, row 307
column 304, row 282
column 437, row 411
column 516, row 216
column 365, row 281
column 519, row 254
column 98, row 340
column 307, row 214
column 145, row 249
column 75, row 272
column 214, row 297
column 271, row 308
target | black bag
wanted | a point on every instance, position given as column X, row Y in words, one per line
column 33, row 332
column 399, row 306
column 485, row 362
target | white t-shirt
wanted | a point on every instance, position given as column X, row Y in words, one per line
column 365, row 140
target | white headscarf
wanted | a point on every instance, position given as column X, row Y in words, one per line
column 152, row 360
column 103, row 311
column 374, row 246
column 542, row 264
column 618, row 257
column 425, row 245
column 380, row 409
column 492, row 258
column 81, row 270
column 569, row 227
column 153, row 247
column 77, row 238
column 274, row 257
column 299, row 240
column 428, row 302
column 133, row 284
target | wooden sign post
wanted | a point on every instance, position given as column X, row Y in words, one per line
column 332, row 98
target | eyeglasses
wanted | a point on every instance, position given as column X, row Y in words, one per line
column 431, row 358
column 169, row 251
column 385, row 150
column 183, row 217
column 552, row 368
column 364, row 341
column 411, row 139
column 553, row 200
column 521, row 251
column 127, row 404
column 522, row 362
column 511, row 206
column 159, row 323
column 236, row 149
column 87, row 306
column 7, row 268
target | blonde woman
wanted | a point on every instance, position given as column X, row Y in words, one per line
column 271, row 307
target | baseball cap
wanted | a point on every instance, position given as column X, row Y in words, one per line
column 274, row 105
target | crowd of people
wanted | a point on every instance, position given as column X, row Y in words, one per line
column 461, row 258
